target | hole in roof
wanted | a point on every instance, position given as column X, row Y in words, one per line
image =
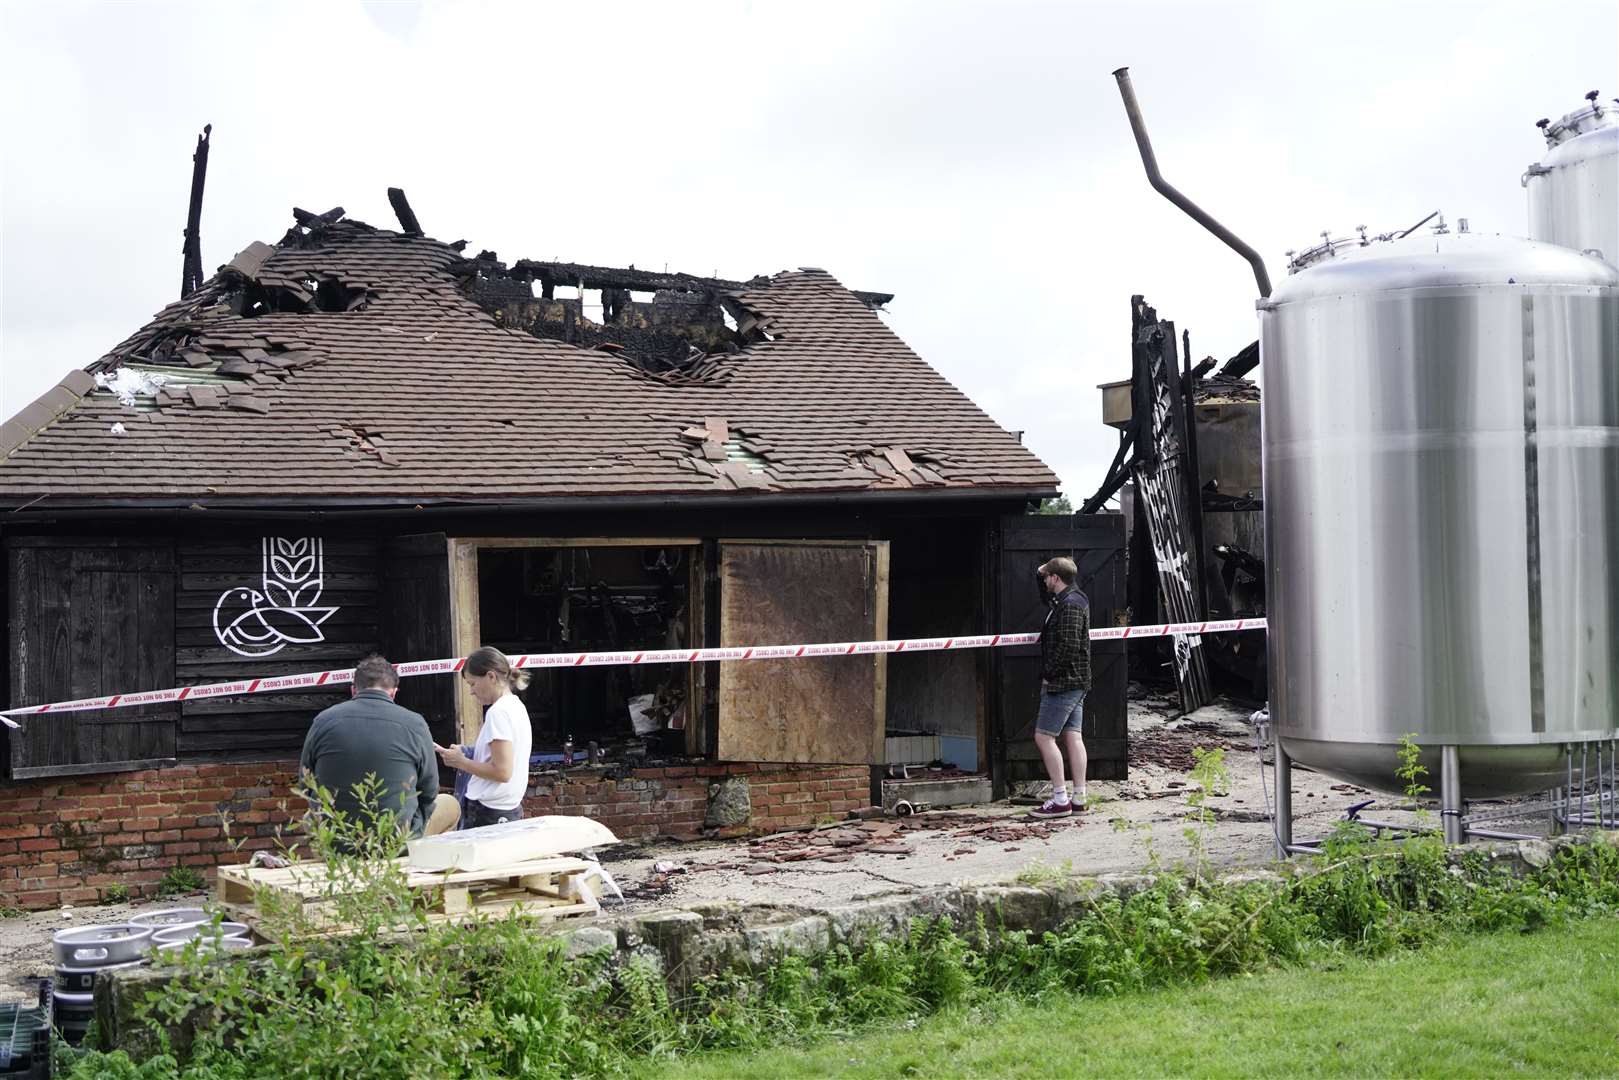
column 755, row 461
column 299, row 294
column 592, row 305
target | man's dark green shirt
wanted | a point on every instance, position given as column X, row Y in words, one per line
column 370, row 734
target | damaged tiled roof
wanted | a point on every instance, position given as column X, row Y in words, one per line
column 354, row 364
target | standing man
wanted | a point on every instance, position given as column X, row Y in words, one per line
column 370, row 735
column 1065, row 675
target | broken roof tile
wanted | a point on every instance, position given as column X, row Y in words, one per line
column 834, row 386
column 248, row 261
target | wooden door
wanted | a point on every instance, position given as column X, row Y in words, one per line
column 417, row 624
column 1095, row 542
column 91, row 616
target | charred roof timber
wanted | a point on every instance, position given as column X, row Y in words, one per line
column 681, row 333
column 191, row 251
column 402, row 211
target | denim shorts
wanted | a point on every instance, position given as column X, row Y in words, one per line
column 479, row 815
column 1060, row 711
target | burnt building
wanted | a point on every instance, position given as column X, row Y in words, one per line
column 357, row 439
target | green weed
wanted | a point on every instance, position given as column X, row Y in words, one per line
column 178, row 880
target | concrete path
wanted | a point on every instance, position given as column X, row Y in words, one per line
column 1130, row 825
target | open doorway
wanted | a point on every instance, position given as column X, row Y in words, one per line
column 545, row 596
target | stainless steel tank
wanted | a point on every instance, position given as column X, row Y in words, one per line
column 1574, row 190
column 1441, row 478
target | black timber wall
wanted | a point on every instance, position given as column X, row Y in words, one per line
column 156, row 585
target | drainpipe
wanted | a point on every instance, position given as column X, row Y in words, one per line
column 1168, row 191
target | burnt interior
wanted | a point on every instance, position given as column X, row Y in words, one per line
column 668, row 325
column 593, row 599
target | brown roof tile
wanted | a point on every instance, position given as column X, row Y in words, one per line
column 832, row 401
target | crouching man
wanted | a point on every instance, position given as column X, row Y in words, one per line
column 370, row 735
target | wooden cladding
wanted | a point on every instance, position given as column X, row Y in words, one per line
column 97, row 615
column 219, row 581
column 90, row 616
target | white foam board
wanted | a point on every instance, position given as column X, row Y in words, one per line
column 509, row 842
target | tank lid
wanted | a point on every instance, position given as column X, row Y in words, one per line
column 1340, row 246
column 1593, row 116
column 1439, row 260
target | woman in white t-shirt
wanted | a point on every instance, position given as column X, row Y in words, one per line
column 498, row 769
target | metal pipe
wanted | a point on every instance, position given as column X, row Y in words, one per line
column 1585, row 751
column 1389, row 826
column 1283, row 819
column 1450, row 794
column 1554, row 826
column 1431, row 215
column 1491, row 834
column 1168, row 191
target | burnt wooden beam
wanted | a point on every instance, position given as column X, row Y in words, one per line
column 1242, row 363
column 402, row 211
column 606, row 277
column 191, row 250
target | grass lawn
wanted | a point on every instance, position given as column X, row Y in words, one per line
column 1542, row 1004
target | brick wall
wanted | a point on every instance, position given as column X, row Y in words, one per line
column 673, row 801
column 67, row 840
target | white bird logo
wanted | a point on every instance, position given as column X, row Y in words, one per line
column 261, row 622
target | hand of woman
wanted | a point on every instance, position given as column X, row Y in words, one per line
column 452, row 756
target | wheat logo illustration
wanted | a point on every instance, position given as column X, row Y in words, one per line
column 285, row 611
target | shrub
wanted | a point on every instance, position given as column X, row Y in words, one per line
column 410, row 998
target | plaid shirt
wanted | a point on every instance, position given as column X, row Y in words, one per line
column 1065, row 643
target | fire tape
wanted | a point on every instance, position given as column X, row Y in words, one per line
column 281, row 683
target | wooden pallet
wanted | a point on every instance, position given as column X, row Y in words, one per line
column 552, row 888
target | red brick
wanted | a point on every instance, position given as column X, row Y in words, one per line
column 182, row 848
column 46, row 843
column 158, row 836
column 19, row 832
column 205, row 859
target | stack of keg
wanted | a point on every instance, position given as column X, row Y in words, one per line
column 84, row 952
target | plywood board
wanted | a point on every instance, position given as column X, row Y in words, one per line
column 463, row 556
column 822, row 710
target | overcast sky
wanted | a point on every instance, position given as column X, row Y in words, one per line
column 972, row 158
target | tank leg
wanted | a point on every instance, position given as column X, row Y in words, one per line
column 1450, row 794
column 1284, row 801
column 1554, row 824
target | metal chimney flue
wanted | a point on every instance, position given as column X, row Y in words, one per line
column 1168, row 190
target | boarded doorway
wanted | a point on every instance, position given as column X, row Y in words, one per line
column 821, row 710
